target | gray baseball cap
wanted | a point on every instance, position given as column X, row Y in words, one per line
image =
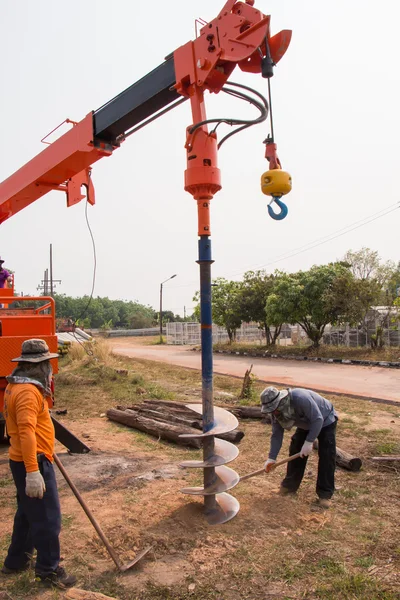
column 270, row 399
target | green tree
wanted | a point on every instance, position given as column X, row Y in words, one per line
column 97, row 311
column 381, row 281
column 253, row 295
column 313, row 299
column 366, row 264
column 141, row 317
column 225, row 305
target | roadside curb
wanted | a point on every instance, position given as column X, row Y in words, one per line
column 341, row 361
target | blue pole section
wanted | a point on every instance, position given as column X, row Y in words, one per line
column 205, row 261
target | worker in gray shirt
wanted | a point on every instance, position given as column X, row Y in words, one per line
column 315, row 418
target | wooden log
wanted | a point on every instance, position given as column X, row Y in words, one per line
column 179, row 409
column 166, row 416
column 78, row 594
column 244, row 412
column 344, row 459
column 163, row 428
column 387, row 462
column 348, row 462
column 170, row 403
column 183, row 412
column 159, row 429
column 249, row 412
column 234, row 436
column 388, row 458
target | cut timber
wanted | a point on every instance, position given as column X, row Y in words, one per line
column 243, row 412
column 387, row 462
column 162, row 424
column 344, row 459
column 78, row 594
column 159, row 415
column 249, row 412
column 231, row 436
column 159, row 429
column 166, row 403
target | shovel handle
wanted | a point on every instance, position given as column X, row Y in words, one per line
column 278, row 464
column 89, row 514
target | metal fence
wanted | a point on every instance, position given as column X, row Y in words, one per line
column 362, row 336
column 190, row 333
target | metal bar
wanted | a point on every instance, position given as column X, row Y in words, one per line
column 68, row 439
column 51, row 271
column 138, row 102
column 205, row 262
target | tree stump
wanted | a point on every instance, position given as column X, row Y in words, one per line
column 247, row 383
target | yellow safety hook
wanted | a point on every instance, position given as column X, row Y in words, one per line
column 276, row 183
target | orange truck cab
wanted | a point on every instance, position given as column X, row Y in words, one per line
column 23, row 318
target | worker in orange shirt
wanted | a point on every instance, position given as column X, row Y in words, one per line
column 37, row 522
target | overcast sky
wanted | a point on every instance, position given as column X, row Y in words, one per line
column 336, row 98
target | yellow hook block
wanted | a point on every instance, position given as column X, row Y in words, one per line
column 276, row 183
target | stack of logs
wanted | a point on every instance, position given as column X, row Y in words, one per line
column 166, row 421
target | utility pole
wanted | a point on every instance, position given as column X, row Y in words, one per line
column 161, row 290
column 51, row 271
column 47, row 284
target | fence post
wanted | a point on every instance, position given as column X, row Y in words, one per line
column 347, row 335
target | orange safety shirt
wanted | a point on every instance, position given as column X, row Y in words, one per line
column 29, row 424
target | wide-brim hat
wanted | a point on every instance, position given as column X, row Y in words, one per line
column 271, row 398
column 35, row 351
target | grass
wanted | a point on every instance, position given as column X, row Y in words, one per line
column 67, row 520
column 275, row 548
column 355, row 586
column 6, row 481
column 385, row 354
column 365, row 562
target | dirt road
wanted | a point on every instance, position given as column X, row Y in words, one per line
column 361, row 382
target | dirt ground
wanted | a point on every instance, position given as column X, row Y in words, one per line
column 275, row 548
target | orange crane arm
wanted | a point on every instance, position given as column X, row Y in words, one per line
column 237, row 36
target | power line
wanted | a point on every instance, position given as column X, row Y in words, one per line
column 330, row 238
column 315, row 243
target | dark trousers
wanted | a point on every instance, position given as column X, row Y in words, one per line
column 326, row 462
column 37, row 523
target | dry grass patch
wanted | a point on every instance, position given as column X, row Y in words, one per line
column 381, row 354
column 275, row 548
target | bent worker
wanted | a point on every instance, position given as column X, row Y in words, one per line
column 315, row 418
column 5, row 276
column 37, row 522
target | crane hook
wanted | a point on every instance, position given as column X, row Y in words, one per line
column 282, row 206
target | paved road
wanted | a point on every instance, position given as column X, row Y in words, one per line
column 351, row 380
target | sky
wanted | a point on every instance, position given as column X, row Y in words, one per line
column 336, row 98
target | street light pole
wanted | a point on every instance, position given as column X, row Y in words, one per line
column 161, row 290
